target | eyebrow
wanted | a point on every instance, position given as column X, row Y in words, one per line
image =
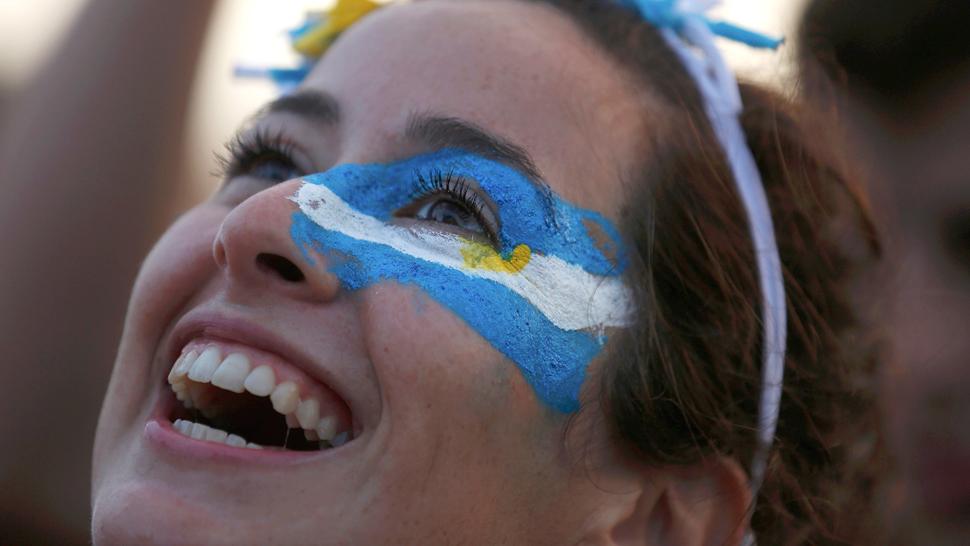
column 434, row 131
column 441, row 132
column 315, row 105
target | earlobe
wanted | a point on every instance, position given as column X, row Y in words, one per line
column 701, row 505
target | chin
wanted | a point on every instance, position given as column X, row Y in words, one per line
column 143, row 513
column 161, row 479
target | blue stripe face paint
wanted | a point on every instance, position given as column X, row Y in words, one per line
column 543, row 298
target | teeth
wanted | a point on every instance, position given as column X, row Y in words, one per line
column 340, row 439
column 261, row 381
column 216, row 435
column 327, row 428
column 206, row 433
column 198, row 431
column 232, row 373
column 284, row 398
column 183, row 426
column 308, row 414
column 181, row 391
column 182, row 366
column 235, row 373
column 205, row 365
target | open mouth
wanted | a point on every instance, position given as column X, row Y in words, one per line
column 244, row 398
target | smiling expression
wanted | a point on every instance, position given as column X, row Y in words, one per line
column 443, row 419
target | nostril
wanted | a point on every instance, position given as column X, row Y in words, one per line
column 281, row 266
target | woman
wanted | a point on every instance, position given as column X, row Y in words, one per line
column 394, row 349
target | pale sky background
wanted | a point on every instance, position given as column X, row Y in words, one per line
column 252, row 32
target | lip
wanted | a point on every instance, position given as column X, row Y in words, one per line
column 219, row 326
column 160, row 434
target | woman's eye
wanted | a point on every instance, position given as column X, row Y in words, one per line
column 260, row 155
column 271, row 169
column 454, row 204
column 448, row 211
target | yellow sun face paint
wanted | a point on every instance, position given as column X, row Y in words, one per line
column 482, row 256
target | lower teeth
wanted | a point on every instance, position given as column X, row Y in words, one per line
column 206, row 433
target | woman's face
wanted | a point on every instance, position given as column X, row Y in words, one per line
column 443, row 386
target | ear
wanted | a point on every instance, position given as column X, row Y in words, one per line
column 701, row 505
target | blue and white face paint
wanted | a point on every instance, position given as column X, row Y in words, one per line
column 544, row 298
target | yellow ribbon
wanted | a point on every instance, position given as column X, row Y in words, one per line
column 345, row 13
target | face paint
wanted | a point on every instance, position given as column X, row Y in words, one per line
column 543, row 299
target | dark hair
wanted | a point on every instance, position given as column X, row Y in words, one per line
column 894, row 54
column 685, row 383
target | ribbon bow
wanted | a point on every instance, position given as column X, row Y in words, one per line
column 672, row 14
column 319, row 32
column 311, row 40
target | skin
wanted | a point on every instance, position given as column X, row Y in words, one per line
column 453, row 447
column 919, row 162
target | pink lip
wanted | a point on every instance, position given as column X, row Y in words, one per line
column 160, row 434
column 159, row 431
column 214, row 325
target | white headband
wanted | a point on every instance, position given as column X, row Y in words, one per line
column 691, row 35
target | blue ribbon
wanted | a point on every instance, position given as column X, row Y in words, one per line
column 667, row 14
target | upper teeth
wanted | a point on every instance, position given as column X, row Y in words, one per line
column 235, row 373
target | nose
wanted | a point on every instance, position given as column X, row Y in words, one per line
column 255, row 251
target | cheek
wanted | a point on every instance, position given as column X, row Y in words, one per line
column 424, row 354
column 177, row 268
column 179, row 264
column 460, row 421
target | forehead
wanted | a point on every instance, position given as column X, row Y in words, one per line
column 522, row 71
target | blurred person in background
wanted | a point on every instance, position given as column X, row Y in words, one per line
column 897, row 75
column 89, row 152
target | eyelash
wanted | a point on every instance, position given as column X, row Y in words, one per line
column 438, row 183
column 246, row 151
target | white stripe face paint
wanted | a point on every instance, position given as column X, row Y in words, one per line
column 543, row 293
column 564, row 293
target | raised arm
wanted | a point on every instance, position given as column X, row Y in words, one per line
column 88, row 163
